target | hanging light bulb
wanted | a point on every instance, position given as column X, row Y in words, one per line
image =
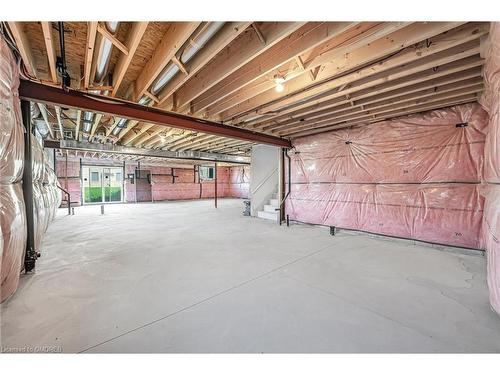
column 279, row 80
column 163, row 138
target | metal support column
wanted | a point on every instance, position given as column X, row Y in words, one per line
column 30, row 255
column 282, row 185
column 215, row 175
column 66, row 171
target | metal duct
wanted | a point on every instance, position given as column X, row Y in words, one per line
column 87, row 121
column 189, row 51
column 122, row 123
column 102, row 65
column 104, row 54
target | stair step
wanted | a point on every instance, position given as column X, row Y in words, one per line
column 268, row 215
column 270, row 208
column 274, row 202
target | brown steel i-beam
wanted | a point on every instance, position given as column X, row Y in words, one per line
column 37, row 92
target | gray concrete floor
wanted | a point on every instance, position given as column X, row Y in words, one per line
column 185, row 277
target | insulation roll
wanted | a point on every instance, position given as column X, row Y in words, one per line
column 12, row 237
column 39, row 214
column 38, row 159
column 11, row 128
column 491, row 178
column 414, row 177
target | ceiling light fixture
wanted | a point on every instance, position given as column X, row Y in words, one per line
column 279, row 80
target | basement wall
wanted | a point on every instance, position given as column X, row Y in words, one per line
column 416, row 177
column 491, row 188
column 46, row 196
column 265, row 176
column 231, row 181
column 12, row 209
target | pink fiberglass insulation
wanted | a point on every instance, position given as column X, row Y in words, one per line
column 11, row 128
column 12, row 211
column 491, row 236
column 73, row 178
column 12, row 237
column 413, row 177
column 239, row 181
column 491, row 190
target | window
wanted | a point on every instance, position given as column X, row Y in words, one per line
column 207, row 173
column 94, row 176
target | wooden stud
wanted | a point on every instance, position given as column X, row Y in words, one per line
column 259, row 33
column 51, row 52
column 171, row 42
column 180, row 65
column 422, row 84
column 106, row 34
column 133, row 39
column 89, row 52
column 361, row 56
column 225, row 36
column 59, row 121
column 452, row 72
column 78, row 124
column 95, row 125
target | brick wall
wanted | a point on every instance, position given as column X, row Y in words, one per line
column 184, row 184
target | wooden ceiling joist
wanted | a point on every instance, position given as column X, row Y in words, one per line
column 133, row 39
column 23, row 45
column 175, row 37
column 51, row 52
column 59, row 121
column 403, row 64
column 233, row 57
column 148, row 136
column 377, row 108
column 336, row 74
column 220, row 40
column 89, row 52
column 95, row 126
column 390, row 89
column 133, row 134
column 342, row 36
column 43, row 111
column 130, row 125
column 190, row 141
column 26, row 53
column 467, row 53
column 78, row 124
column 368, row 119
column 109, row 36
column 399, row 43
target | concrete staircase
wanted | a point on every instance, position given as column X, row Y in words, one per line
column 269, row 212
